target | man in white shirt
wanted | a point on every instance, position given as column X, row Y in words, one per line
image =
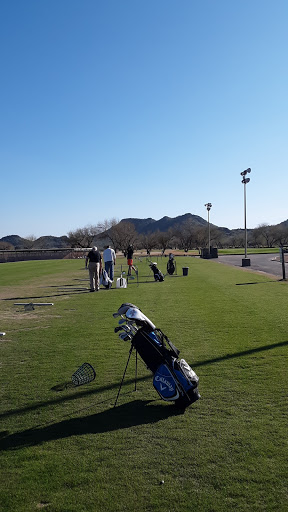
column 109, row 258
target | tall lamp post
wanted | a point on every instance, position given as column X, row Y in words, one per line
column 208, row 206
column 245, row 180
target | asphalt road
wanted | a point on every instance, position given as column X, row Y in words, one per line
column 268, row 263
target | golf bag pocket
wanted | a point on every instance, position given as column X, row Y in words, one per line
column 165, row 384
column 186, row 376
column 159, row 276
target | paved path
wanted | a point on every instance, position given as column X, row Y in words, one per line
column 268, row 263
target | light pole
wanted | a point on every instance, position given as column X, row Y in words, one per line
column 208, row 206
column 245, row 261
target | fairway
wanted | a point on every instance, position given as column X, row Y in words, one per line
column 67, row 449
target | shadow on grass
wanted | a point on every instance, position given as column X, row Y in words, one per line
column 127, row 415
column 78, row 291
column 67, row 385
column 241, row 354
column 257, row 282
column 62, row 285
column 82, row 394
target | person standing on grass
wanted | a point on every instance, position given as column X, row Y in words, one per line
column 130, row 252
column 94, row 266
column 109, row 258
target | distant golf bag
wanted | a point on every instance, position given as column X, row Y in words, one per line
column 171, row 265
column 173, row 379
column 158, row 276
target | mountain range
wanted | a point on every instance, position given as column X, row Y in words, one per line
column 44, row 242
column 145, row 226
column 142, row 226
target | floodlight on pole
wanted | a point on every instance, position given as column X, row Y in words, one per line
column 245, row 261
column 208, row 206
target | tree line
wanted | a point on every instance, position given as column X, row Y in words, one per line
column 185, row 237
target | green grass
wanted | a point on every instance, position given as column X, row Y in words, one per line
column 250, row 250
column 67, row 449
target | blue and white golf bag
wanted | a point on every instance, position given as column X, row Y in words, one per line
column 173, row 378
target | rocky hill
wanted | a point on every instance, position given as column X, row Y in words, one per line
column 44, row 242
column 145, row 226
column 16, row 241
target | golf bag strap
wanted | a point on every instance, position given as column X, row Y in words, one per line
column 169, row 342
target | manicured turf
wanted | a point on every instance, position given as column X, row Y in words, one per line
column 252, row 250
column 67, row 449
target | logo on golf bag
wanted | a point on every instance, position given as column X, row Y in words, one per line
column 166, row 382
column 169, row 390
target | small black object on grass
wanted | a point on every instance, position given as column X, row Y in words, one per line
column 83, row 375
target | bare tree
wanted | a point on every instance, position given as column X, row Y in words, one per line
column 122, row 235
column 200, row 237
column 107, row 224
column 147, row 242
column 216, row 236
column 280, row 234
column 29, row 241
column 5, row 246
column 257, row 237
column 185, row 236
column 267, row 233
column 163, row 240
column 83, row 237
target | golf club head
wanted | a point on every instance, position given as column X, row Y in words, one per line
column 123, row 308
column 126, row 328
column 139, row 318
column 124, row 336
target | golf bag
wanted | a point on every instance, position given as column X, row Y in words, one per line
column 171, row 265
column 105, row 280
column 173, row 378
column 158, row 276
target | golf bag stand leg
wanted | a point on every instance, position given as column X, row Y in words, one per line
column 137, row 276
column 136, row 361
column 121, row 384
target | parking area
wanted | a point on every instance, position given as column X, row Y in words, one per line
column 268, row 263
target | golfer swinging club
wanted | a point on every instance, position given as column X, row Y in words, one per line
column 130, row 252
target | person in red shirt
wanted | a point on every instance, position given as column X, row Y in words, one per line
column 130, row 252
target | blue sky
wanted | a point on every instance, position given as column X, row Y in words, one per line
column 141, row 108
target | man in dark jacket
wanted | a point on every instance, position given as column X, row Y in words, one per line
column 94, row 266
